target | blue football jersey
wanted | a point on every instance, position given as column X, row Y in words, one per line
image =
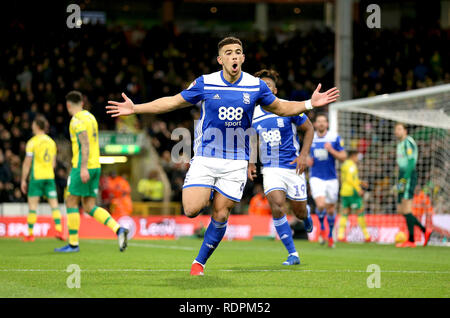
column 224, row 128
column 278, row 139
column 324, row 166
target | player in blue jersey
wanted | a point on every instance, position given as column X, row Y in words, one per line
column 283, row 165
column 227, row 98
column 325, row 149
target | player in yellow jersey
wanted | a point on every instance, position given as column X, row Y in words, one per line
column 85, row 174
column 40, row 160
column 351, row 195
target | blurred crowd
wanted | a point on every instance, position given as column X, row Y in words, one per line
column 104, row 61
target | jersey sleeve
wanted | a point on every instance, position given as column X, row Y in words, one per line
column 266, row 97
column 299, row 119
column 78, row 126
column 339, row 144
column 29, row 148
column 194, row 93
column 353, row 176
column 350, row 173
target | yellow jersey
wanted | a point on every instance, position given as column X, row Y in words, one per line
column 84, row 121
column 349, row 178
column 43, row 150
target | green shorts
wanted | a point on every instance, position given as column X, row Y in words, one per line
column 88, row 189
column 353, row 202
column 42, row 187
column 405, row 191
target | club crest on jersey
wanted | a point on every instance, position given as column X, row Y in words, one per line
column 246, row 98
column 280, row 122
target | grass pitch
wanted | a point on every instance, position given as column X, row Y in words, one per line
column 237, row 269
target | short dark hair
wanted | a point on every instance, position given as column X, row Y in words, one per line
column 228, row 40
column 352, row 152
column 401, row 124
column 321, row 114
column 41, row 122
column 272, row 74
column 74, row 97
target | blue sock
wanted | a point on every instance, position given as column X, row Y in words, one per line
column 330, row 219
column 321, row 216
column 308, row 220
column 213, row 235
column 285, row 233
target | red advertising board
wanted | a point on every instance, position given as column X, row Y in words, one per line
column 240, row 227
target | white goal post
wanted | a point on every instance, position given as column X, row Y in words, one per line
column 367, row 124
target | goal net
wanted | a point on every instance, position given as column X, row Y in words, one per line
column 367, row 125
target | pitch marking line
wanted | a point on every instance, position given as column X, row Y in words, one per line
column 228, row 270
column 185, row 248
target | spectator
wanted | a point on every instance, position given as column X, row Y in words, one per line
column 5, row 179
column 106, row 191
column 121, row 203
column 259, row 204
column 151, row 189
column 61, row 182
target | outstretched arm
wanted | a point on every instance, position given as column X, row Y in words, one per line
column 291, row 108
column 158, row 106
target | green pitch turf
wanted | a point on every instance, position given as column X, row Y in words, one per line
column 237, row 269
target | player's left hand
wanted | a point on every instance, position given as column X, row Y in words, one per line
column 321, row 99
column 23, row 187
column 251, row 172
column 84, row 175
column 302, row 163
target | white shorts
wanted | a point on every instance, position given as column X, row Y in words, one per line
column 325, row 188
column 226, row 176
column 286, row 180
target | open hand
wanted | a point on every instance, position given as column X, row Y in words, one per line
column 120, row 109
column 321, row 99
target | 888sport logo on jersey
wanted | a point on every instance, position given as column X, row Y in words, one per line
column 231, row 115
column 272, row 137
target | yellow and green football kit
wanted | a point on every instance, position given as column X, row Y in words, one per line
column 42, row 149
column 350, row 198
column 80, row 122
column 84, row 121
column 351, row 185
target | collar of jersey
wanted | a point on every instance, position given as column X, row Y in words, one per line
column 323, row 135
column 228, row 83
